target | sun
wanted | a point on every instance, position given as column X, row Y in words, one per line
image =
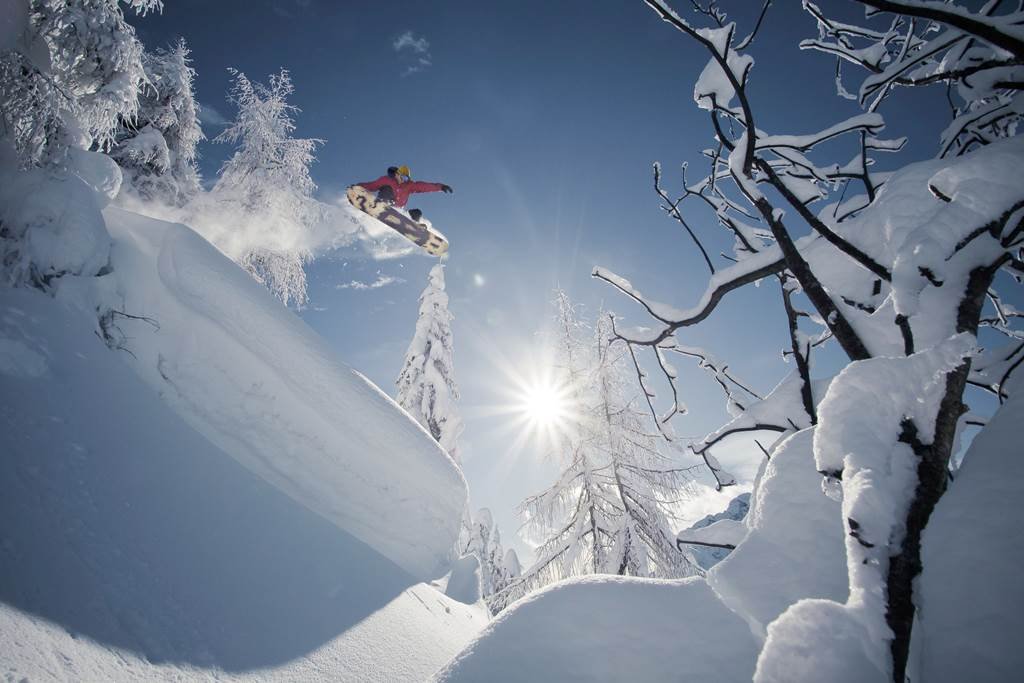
column 536, row 407
column 544, row 403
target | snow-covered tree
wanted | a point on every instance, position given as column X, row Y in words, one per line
column 901, row 276
column 70, row 75
column 497, row 567
column 265, row 188
column 574, row 519
column 975, row 55
column 157, row 150
column 643, row 478
column 426, row 384
column 70, row 71
column 606, row 513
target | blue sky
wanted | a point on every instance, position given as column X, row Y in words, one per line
column 545, row 117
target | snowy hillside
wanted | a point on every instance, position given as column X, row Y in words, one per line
column 608, row 628
column 221, row 494
column 713, row 526
column 973, row 551
column 251, row 377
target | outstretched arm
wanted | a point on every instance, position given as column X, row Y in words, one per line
column 419, row 186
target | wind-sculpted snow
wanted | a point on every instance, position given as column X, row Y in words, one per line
column 794, row 544
column 134, row 549
column 251, row 377
column 611, row 628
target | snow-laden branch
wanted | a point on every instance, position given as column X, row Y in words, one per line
column 717, row 42
column 1002, row 31
column 752, row 269
column 870, row 122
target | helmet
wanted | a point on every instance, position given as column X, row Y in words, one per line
column 404, row 170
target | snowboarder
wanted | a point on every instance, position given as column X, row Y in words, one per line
column 395, row 188
column 384, row 198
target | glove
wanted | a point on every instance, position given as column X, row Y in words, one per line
column 447, row 189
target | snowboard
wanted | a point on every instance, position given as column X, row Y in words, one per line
column 417, row 233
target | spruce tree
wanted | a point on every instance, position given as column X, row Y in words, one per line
column 426, row 385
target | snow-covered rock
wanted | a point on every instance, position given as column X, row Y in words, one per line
column 56, row 216
column 611, row 628
column 98, row 171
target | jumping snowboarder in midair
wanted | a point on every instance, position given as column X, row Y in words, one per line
column 384, row 197
column 397, row 185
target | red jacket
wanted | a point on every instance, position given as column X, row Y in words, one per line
column 402, row 190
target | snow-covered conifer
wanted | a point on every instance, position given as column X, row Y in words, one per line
column 643, row 477
column 426, row 384
column 157, row 150
column 605, row 514
column 266, row 183
column 513, row 569
column 498, row 568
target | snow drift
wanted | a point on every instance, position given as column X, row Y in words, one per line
column 972, row 552
column 611, row 628
column 132, row 547
column 251, row 377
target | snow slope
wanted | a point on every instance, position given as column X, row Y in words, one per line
column 972, row 552
column 605, row 628
column 256, row 381
column 133, row 547
column 725, row 527
column 611, row 628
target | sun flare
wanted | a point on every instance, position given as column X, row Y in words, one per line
column 545, row 404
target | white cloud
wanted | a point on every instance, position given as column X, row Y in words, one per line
column 409, row 40
column 381, row 281
column 211, row 117
column 416, row 51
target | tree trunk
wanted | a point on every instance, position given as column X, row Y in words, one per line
column 932, row 475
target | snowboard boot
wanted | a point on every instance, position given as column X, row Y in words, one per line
column 415, row 214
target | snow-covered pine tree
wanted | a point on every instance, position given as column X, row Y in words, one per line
column 157, row 151
column 573, row 520
column 426, row 384
column 605, row 514
column 266, row 182
column 513, row 569
column 644, row 478
column 498, row 568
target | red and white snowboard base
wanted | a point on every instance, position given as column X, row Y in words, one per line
column 417, row 233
